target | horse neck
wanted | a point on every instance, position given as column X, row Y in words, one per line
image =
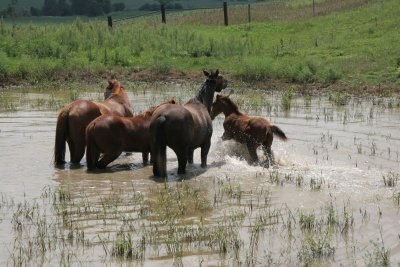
column 119, row 96
column 120, row 102
column 206, row 95
column 229, row 108
column 145, row 115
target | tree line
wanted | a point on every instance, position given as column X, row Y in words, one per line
column 89, row 8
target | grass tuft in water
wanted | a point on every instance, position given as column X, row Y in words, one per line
column 380, row 256
column 390, row 180
column 287, row 98
column 339, row 99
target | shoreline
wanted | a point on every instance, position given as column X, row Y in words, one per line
column 308, row 88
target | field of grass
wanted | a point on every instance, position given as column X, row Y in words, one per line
column 359, row 46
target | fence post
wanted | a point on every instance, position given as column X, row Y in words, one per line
column 313, row 8
column 110, row 22
column 226, row 13
column 249, row 12
column 163, row 13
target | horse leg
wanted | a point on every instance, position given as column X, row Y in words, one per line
column 253, row 152
column 190, row 156
column 204, row 152
column 269, row 154
column 182, row 161
column 78, row 152
column 107, row 158
column 71, row 147
column 266, row 146
column 226, row 136
column 156, row 172
column 145, row 157
column 92, row 157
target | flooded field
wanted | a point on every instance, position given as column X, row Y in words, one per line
column 332, row 200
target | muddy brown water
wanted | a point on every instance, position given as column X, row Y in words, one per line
column 336, row 156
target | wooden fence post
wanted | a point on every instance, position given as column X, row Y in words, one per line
column 249, row 12
column 110, row 22
column 313, row 8
column 163, row 13
column 226, row 13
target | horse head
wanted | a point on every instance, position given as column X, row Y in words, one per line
column 113, row 87
column 214, row 83
column 216, row 107
column 223, row 104
column 215, row 77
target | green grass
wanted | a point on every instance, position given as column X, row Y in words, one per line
column 352, row 47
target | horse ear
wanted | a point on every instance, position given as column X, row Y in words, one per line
column 172, row 101
column 206, row 73
column 217, row 72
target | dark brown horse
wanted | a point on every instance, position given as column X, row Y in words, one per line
column 73, row 119
column 112, row 135
column 184, row 128
column 250, row 130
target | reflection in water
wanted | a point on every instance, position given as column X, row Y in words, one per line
column 325, row 201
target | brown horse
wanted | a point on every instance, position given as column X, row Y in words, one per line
column 250, row 130
column 184, row 127
column 112, row 135
column 73, row 119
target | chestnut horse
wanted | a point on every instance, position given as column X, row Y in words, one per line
column 73, row 119
column 112, row 135
column 184, row 128
column 250, row 130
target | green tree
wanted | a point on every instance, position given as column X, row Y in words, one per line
column 49, row 8
column 79, row 7
column 63, row 8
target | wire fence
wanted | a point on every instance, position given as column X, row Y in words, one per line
column 242, row 11
column 223, row 5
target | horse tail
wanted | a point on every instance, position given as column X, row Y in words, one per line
column 160, row 147
column 61, row 136
column 92, row 151
column 278, row 132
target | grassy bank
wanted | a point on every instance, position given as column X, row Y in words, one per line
column 359, row 46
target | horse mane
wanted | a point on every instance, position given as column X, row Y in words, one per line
column 199, row 96
column 229, row 101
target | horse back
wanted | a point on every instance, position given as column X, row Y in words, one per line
column 118, row 105
column 202, row 122
column 244, row 128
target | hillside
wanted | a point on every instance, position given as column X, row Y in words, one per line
column 355, row 48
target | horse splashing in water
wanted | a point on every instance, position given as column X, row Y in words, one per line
column 184, row 128
column 250, row 130
column 73, row 119
column 112, row 135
